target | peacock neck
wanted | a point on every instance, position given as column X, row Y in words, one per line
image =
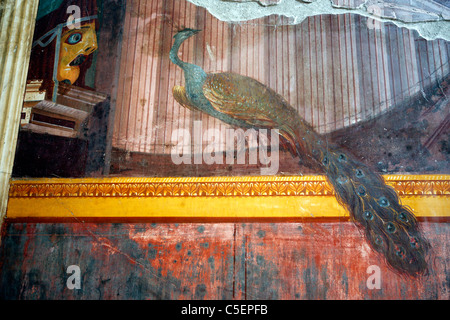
column 174, row 54
column 195, row 78
column 193, row 73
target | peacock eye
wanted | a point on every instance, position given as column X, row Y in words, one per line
column 402, row 216
column 325, row 161
column 368, row 215
column 342, row 179
column 359, row 173
column 383, row 202
column 414, row 243
column 379, row 241
column 400, row 252
column 342, row 157
column 390, row 227
column 361, row 191
column 74, row 38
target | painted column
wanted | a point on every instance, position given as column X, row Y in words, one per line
column 17, row 20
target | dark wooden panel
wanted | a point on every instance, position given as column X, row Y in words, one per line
column 38, row 155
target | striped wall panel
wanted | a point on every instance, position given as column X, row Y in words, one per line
column 336, row 70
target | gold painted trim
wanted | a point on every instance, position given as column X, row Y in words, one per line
column 213, row 186
column 288, row 197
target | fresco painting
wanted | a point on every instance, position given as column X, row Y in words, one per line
column 149, row 89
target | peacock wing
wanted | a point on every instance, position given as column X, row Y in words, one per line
column 244, row 98
column 179, row 93
column 254, row 103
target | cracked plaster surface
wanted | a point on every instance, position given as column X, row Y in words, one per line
column 431, row 19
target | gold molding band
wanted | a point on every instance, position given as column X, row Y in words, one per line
column 213, row 187
column 226, row 197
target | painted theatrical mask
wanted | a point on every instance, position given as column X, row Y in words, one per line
column 76, row 46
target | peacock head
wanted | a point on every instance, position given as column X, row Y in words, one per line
column 185, row 33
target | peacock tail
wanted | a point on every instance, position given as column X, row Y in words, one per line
column 390, row 228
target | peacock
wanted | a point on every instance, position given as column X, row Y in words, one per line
column 390, row 228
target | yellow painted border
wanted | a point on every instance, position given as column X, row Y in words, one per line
column 210, row 197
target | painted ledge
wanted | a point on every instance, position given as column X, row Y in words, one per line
column 216, row 198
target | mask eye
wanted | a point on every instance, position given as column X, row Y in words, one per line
column 74, row 38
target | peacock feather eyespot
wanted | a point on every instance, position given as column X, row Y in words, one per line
column 378, row 241
column 414, row 243
column 403, row 217
column 383, row 202
column 325, row 161
column 359, row 173
column 361, row 191
column 368, row 215
column 390, row 227
column 342, row 158
column 400, row 252
column 342, row 179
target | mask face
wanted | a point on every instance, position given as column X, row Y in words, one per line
column 76, row 46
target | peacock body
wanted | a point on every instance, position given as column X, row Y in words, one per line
column 390, row 228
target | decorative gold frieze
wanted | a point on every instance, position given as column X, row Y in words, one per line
column 215, row 187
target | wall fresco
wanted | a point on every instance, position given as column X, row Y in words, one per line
column 110, row 95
